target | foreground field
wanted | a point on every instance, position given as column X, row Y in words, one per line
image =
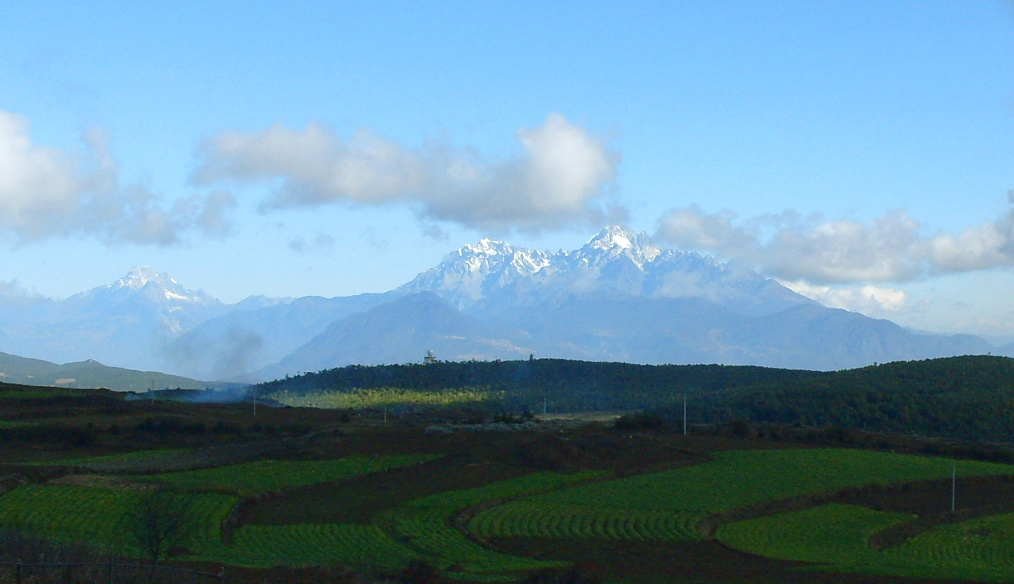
column 375, row 494
column 836, row 537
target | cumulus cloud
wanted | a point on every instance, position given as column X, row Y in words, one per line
column 866, row 299
column 985, row 246
column 47, row 192
column 561, row 176
column 890, row 248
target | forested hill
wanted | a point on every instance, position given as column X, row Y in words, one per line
column 958, row 397
column 570, row 385
column 969, row 397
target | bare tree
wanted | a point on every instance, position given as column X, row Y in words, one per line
column 161, row 522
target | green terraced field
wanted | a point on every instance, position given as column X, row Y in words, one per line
column 97, row 515
column 359, row 546
column 269, row 475
column 980, row 549
column 424, row 524
column 742, row 477
column 668, row 505
column 835, row 537
column 664, row 506
column 829, row 534
column 527, row 519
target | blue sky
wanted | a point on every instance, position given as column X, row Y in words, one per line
column 861, row 152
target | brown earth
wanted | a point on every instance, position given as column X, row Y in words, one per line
column 704, row 562
column 106, row 424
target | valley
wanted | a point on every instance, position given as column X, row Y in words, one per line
column 459, row 493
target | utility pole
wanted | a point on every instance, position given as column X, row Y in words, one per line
column 684, row 414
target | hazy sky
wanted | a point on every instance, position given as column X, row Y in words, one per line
column 861, row 152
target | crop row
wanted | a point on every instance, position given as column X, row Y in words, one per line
column 268, row 475
column 525, row 519
column 425, row 523
column 361, row 546
column 837, row 536
column 739, row 478
column 979, row 549
column 428, row 532
column 99, row 515
column 523, row 485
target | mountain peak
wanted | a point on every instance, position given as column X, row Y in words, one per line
column 157, row 287
column 139, row 277
column 616, row 240
column 486, row 246
column 614, row 236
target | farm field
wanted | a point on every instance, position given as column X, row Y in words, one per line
column 669, row 505
column 98, row 515
column 304, row 490
column 381, row 397
column 836, row 536
column 268, row 475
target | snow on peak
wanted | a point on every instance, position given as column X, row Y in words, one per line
column 487, row 247
column 139, row 277
column 613, row 236
column 490, row 255
column 615, row 240
column 157, row 287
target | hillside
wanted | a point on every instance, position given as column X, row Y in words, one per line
column 572, row 386
column 970, row 398
column 957, row 397
column 88, row 374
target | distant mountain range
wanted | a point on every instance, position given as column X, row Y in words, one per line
column 620, row 297
column 88, row 374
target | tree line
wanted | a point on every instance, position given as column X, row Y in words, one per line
column 969, row 397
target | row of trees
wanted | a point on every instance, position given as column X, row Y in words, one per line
column 969, row 398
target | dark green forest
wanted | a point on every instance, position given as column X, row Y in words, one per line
column 569, row 386
column 968, row 398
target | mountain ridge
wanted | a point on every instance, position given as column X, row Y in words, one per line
column 620, row 296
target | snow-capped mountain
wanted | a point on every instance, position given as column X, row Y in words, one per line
column 143, row 291
column 123, row 324
column 475, row 272
column 493, row 276
column 620, row 297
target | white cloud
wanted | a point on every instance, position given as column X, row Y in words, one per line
column 868, row 299
column 889, row 248
column 985, row 246
column 14, row 295
column 561, row 177
column 47, row 192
